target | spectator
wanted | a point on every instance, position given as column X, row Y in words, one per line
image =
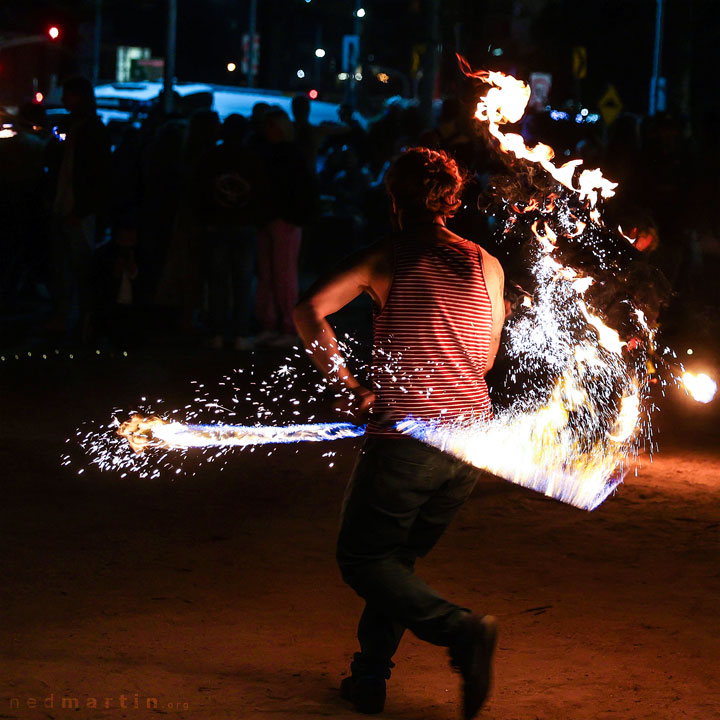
column 255, row 139
column 202, row 135
column 451, row 134
column 307, row 136
column 353, row 133
column 230, row 196
column 24, row 223
column 82, row 179
column 292, row 202
column 234, row 131
column 384, row 135
column 161, row 185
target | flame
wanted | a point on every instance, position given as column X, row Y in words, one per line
column 627, row 419
column 627, row 237
column 140, row 432
column 570, row 441
column 582, row 284
column 574, row 445
column 548, row 241
column 545, row 449
column 700, row 386
column 505, row 102
column 539, row 450
column 579, row 229
column 143, row 433
column 608, row 337
column 530, row 207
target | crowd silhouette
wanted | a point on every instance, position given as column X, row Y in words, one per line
column 189, row 227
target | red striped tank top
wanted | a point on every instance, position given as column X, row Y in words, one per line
column 432, row 338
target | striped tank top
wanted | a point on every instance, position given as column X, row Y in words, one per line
column 432, row 338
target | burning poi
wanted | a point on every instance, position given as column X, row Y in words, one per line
column 584, row 404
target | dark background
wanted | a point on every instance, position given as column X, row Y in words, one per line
column 535, row 35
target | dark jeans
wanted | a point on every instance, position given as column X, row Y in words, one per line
column 401, row 497
column 231, row 267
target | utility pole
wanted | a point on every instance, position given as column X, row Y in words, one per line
column 169, row 68
column 657, row 84
column 252, row 60
column 97, row 42
column 352, row 86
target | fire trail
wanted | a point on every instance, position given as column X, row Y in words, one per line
column 577, row 388
column 143, row 433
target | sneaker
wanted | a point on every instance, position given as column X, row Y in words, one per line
column 366, row 693
column 472, row 657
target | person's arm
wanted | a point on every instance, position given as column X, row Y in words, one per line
column 495, row 282
column 370, row 272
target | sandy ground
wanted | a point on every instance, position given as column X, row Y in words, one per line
column 218, row 595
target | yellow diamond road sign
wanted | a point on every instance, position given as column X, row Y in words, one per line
column 610, row 105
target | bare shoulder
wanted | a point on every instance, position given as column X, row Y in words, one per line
column 367, row 269
column 491, row 265
column 377, row 258
column 365, row 260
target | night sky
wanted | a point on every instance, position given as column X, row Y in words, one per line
column 535, row 35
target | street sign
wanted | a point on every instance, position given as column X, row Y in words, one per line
column 610, row 105
column 251, row 54
column 540, row 84
column 579, row 62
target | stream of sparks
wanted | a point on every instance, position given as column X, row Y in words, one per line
column 143, row 433
column 572, row 429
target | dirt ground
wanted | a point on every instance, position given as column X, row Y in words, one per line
column 218, row 595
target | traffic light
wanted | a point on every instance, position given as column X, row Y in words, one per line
column 53, row 32
column 313, row 94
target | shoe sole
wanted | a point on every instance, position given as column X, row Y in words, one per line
column 362, row 705
column 482, row 666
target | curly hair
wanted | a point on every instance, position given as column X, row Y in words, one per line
column 424, row 182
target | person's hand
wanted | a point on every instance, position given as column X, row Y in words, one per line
column 356, row 403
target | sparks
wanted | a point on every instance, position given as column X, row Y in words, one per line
column 143, row 432
column 572, row 433
column 572, row 440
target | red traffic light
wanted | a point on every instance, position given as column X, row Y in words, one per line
column 54, row 32
column 313, row 94
column 39, row 97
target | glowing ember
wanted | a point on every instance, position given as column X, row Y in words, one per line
column 700, row 386
column 153, row 432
